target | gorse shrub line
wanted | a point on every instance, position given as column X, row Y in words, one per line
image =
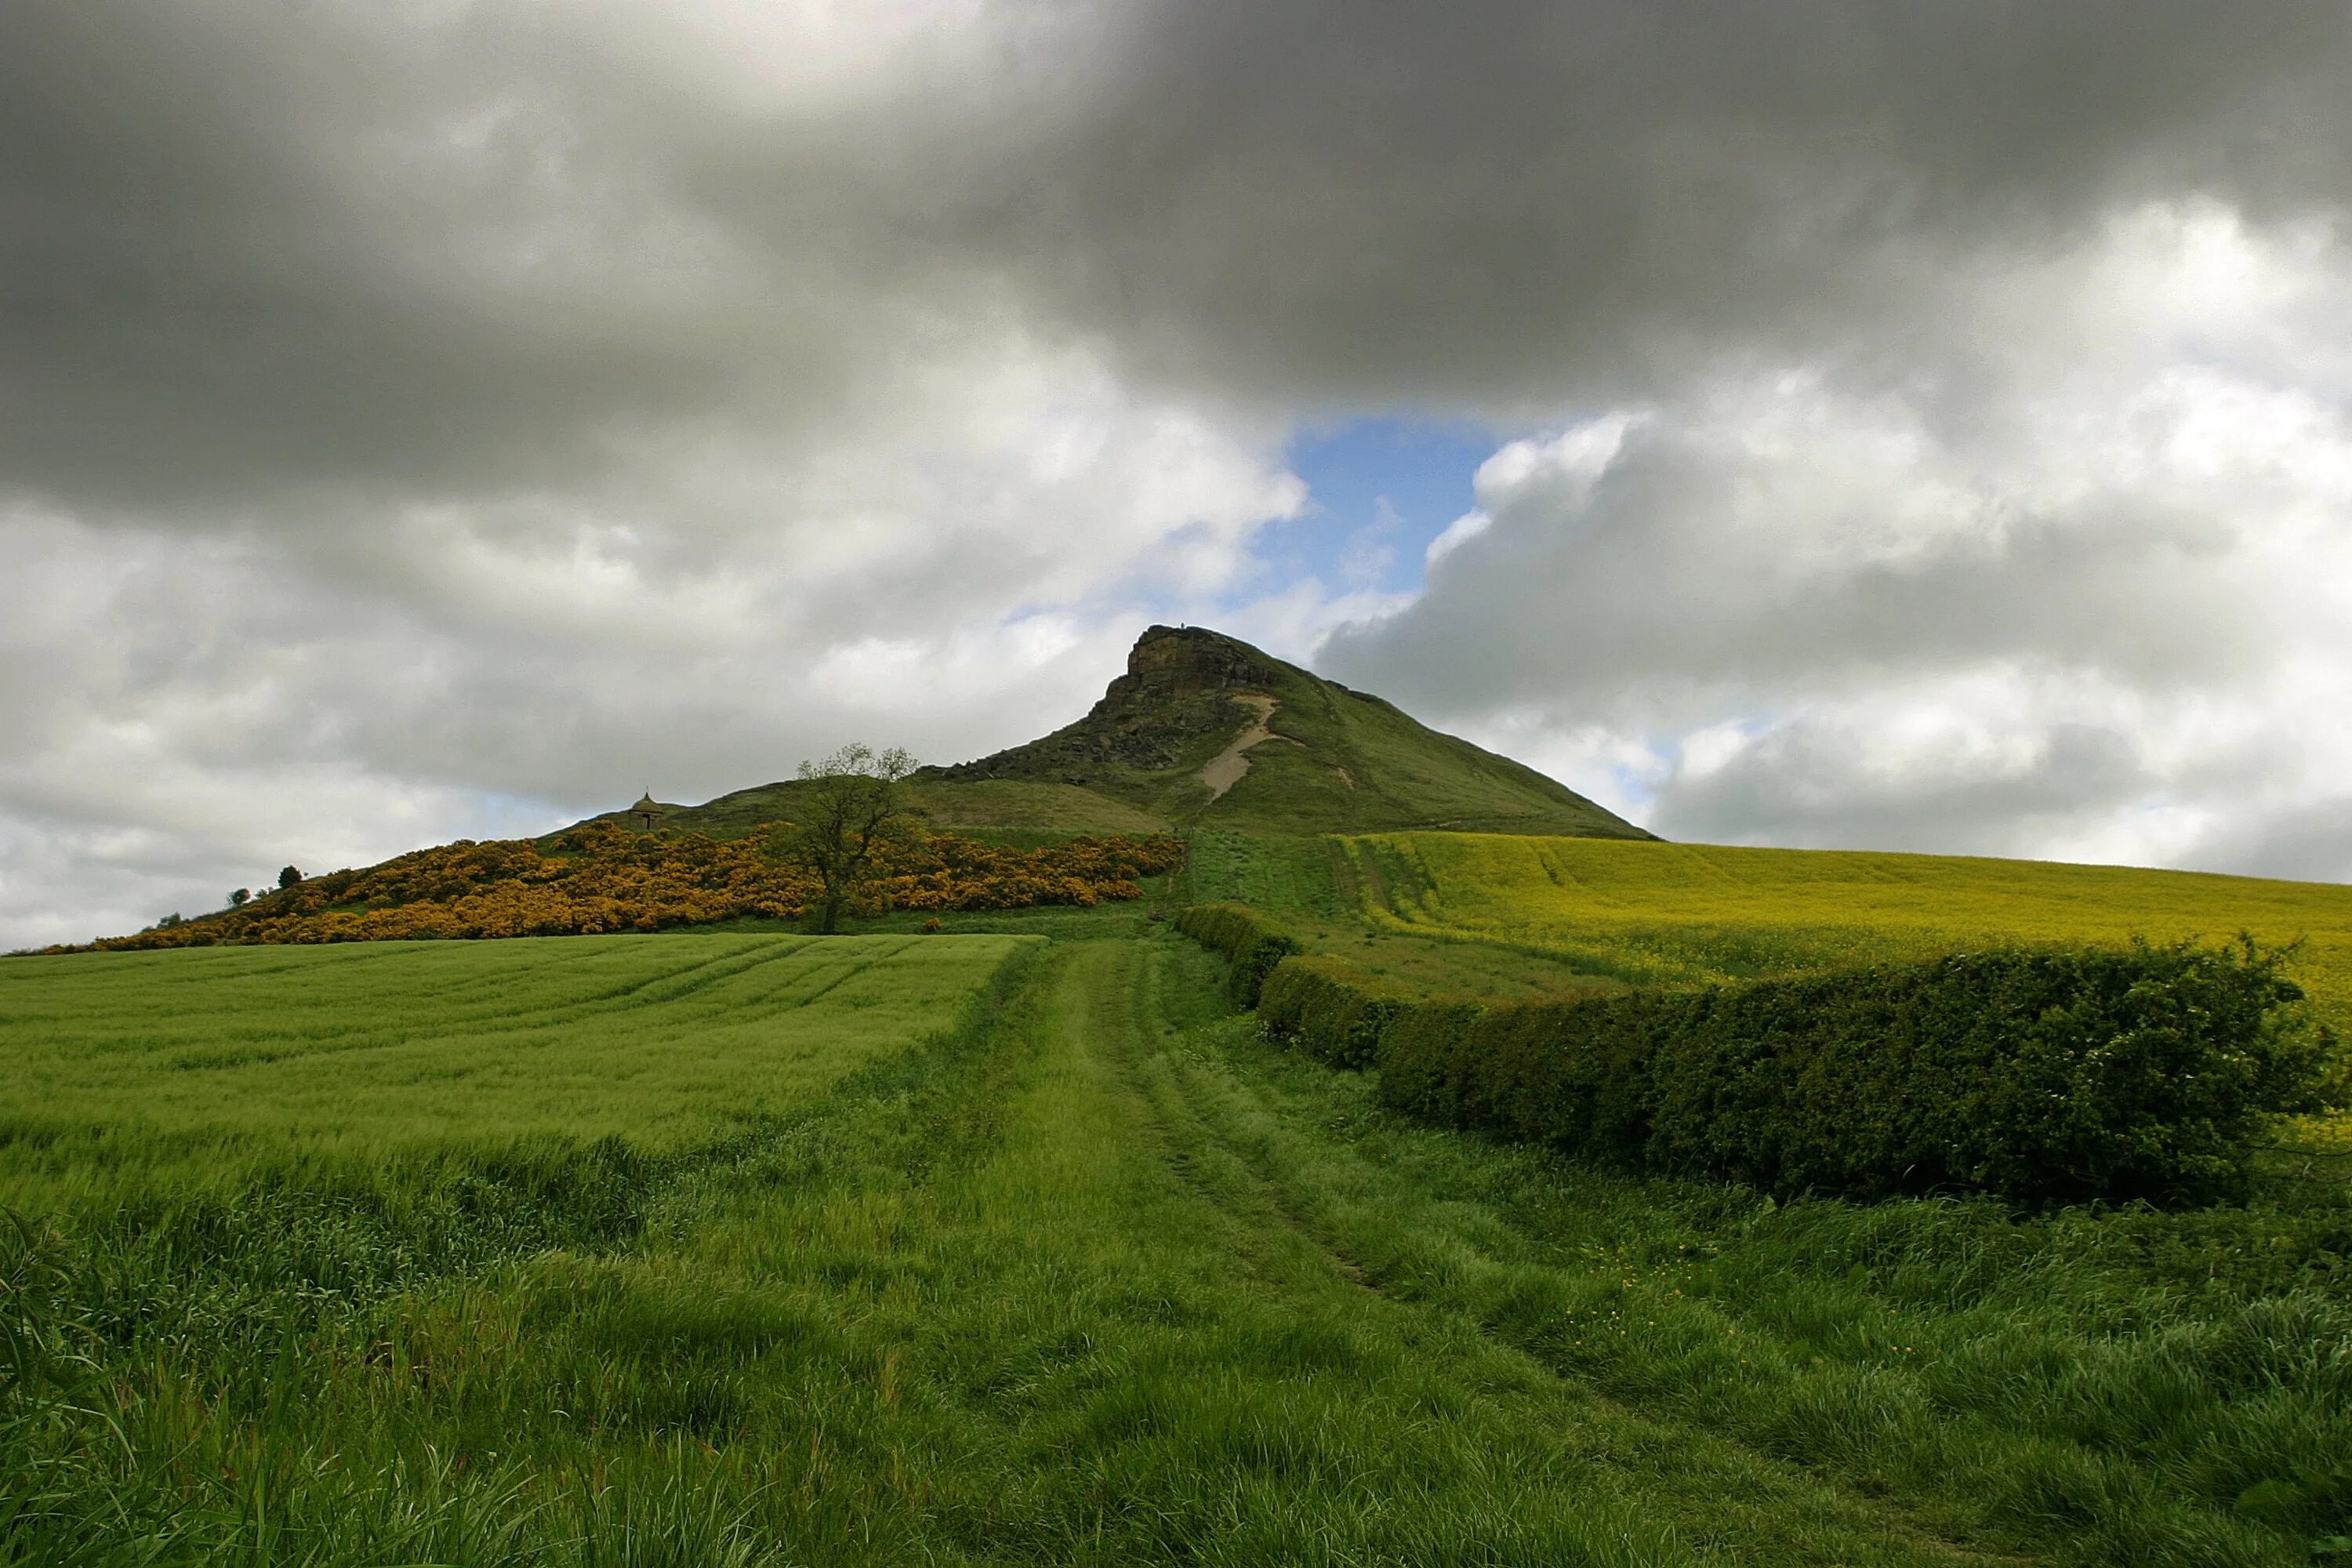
column 2045, row 1076
column 599, row 878
column 1330, row 1009
column 1254, row 944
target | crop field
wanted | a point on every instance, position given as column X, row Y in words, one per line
column 1648, row 912
column 752, row 1249
column 218, row 1058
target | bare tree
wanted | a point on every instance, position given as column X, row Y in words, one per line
column 851, row 811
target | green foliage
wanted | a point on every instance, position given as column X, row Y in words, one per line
column 1428, row 1068
column 854, row 813
column 1330, row 1009
column 1250, row 943
column 2141, row 1073
column 1094, row 1274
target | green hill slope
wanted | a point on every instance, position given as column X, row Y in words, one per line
column 1205, row 731
column 994, row 809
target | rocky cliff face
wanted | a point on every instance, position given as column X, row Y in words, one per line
column 1175, row 700
column 1183, row 661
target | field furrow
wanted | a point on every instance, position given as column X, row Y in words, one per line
column 1000, row 1250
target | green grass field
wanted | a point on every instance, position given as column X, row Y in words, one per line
column 217, row 1059
column 751, row 1248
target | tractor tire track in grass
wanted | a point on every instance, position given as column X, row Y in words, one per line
column 1097, row 1277
column 1955, row 1372
column 1238, row 1153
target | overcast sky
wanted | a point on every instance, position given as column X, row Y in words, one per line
column 1915, row 425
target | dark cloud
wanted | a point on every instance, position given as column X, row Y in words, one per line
column 1526, row 205
column 426, row 248
column 426, row 414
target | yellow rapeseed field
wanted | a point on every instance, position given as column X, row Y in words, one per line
column 1693, row 912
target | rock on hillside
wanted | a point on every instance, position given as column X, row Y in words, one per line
column 1174, row 697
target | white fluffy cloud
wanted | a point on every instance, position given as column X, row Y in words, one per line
column 2104, row 613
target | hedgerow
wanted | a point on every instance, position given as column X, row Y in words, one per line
column 2144, row 1072
column 1253, row 942
column 1330, row 1009
column 2117, row 1074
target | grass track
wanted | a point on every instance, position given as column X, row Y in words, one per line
column 1098, row 1277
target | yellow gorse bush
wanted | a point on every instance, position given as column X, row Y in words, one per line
column 599, row 878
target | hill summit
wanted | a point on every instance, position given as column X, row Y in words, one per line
column 1203, row 729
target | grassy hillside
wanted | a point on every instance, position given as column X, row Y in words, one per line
column 1675, row 912
column 983, row 808
column 1331, row 759
column 1308, row 879
column 1205, row 731
column 1092, row 1275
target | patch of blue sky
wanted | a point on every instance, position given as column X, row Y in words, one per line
column 1378, row 490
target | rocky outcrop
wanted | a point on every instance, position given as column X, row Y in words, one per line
column 1179, row 661
column 1172, row 699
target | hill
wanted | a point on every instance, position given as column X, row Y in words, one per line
column 1205, row 731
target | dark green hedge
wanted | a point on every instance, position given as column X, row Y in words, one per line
column 2042, row 1076
column 1253, row 942
column 1330, row 1009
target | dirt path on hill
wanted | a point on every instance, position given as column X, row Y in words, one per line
column 1225, row 770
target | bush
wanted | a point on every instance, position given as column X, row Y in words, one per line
column 2046, row 1076
column 599, row 877
column 1425, row 1070
column 1253, row 942
column 1330, row 1009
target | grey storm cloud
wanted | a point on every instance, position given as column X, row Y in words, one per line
column 425, row 249
column 425, row 417
column 1802, row 782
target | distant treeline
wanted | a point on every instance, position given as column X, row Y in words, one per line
column 2042, row 1075
column 601, row 878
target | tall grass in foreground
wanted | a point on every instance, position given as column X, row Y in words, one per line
column 1095, row 1276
